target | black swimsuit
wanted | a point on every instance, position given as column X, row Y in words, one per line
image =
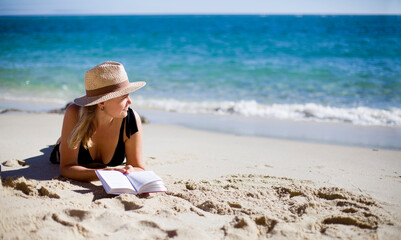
column 84, row 156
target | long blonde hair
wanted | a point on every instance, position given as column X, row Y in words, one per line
column 84, row 129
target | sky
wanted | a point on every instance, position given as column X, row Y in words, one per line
column 117, row 7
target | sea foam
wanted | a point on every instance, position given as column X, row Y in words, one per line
column 310, row 111
column 300, row 112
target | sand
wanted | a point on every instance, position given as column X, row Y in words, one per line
column 220, row 186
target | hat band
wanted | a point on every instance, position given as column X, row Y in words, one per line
column 107, row 89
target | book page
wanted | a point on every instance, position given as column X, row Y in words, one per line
column 157, row 186
column 114, row 179
column 139, row 179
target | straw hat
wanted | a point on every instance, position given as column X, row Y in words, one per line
column 106, row 81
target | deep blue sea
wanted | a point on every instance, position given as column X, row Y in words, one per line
column 320, row 68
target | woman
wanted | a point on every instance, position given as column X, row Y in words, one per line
column 100, row 129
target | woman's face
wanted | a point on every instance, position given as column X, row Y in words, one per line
column 117, row 107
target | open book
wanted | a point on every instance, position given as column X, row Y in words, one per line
column 115, row 182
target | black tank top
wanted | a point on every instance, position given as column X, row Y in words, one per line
column 131, row 128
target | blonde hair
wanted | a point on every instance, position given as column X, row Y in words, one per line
column 84, row 129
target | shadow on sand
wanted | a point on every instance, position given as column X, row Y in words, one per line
column 38, row 168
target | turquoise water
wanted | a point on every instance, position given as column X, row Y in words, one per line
column 320, row 68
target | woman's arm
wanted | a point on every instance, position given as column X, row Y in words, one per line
column 69, row 157
column 133, row 148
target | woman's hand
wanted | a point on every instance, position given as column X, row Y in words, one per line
column 127, row 169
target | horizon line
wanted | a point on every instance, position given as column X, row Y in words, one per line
column 200, row 14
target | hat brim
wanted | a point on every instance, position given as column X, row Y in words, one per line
column 89, row 101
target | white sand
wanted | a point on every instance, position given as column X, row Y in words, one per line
column 220, row 187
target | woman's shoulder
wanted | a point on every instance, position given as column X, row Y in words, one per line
column 133, row 117
column 73, row 106
column 133, row 122
column 72, row 111
column 134, row 114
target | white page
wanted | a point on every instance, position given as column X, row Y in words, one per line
column 115, row 179
column 157, row 186
column 138, row 179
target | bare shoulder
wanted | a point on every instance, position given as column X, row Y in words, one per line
column 72, row 112
column 72, row 108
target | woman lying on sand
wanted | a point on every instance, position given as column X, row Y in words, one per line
column 100, row 130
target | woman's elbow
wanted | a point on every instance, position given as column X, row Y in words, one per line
column 64, row 171
column 68, row 171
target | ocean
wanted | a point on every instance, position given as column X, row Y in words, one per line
column 333, row 69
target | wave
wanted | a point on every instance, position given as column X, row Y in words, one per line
column 301, row 112
column 310, row 111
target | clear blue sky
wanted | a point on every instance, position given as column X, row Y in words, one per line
column 65, row 7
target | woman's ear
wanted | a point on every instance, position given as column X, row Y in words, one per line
column 101, row 105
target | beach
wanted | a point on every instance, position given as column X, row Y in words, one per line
column 261, row 126
column 220, row 186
